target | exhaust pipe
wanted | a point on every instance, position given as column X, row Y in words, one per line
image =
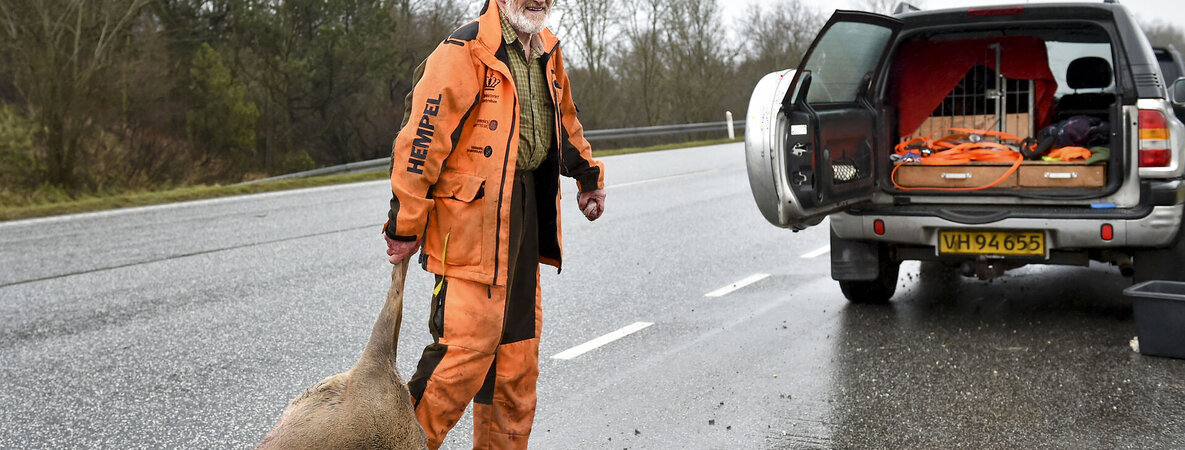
column 1124, row 261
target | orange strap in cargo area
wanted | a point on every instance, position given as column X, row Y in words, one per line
column 952, row 151
column 971, row 151
column 1015, row 165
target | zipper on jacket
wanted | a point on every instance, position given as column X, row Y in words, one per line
column 502, row 192
column 559, row 122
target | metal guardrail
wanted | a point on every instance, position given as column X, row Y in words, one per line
column 359, row 166
column 624, row 133
column 591, row 135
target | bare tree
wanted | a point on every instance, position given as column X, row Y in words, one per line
column 594, row 24
column 1163, row 34
column 878, row 6
column 699, row 61
column 591, row 27
column 58, row 52
column 640, row 62
column 780, row 35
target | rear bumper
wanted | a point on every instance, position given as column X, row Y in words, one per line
column 1155, row 227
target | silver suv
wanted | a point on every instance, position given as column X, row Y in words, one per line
column 957, row 136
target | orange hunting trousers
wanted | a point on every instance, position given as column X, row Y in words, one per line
column 486, row 343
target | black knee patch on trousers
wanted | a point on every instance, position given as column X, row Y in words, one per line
column 435, row 351
column 485, row 395
column 431, row 357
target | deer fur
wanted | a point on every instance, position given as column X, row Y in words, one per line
column 368, row 406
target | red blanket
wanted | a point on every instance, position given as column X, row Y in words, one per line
column 926, row 71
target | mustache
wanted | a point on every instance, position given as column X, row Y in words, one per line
column 546, row 6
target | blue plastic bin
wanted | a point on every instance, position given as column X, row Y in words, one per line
column 1159, row 310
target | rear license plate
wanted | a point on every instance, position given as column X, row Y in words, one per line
column 1006, row 243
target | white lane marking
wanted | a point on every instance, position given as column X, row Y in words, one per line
column 817, row 252
column 669, row 177
column 610, row 337
column 740, row 284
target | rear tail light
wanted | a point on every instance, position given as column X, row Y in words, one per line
column 878, row 227
column 1107, row 232
column 1154, row 139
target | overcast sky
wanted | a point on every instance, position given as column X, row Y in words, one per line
column 1145, row 10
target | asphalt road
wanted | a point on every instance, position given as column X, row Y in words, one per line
column 192, row 325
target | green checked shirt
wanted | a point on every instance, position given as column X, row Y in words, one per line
column 536, row 115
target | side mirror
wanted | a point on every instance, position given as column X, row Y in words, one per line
column 1177, row 93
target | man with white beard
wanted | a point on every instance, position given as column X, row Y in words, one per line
column 475, row 179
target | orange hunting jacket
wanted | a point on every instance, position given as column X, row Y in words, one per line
column 454, row 160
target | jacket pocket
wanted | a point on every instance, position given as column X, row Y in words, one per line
column 459, row 219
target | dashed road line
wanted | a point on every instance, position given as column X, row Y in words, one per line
column 740, row 284
column 607, row 338
column 817, row 252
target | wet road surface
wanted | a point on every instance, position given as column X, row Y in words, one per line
column 192, row 325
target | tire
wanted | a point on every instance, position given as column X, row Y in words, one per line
column 875, row 291
column 1164, row 264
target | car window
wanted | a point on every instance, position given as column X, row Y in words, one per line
column 842, row 57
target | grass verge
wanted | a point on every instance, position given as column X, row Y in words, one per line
column 100, row 203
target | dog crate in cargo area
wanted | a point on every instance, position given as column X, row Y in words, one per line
column 966, row 110
column 984, row 99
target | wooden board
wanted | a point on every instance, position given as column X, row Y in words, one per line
column 1058, row 174
column 1031, row 174
column 1016, row 124
column 966, row 175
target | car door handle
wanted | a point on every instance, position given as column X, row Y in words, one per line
column 799, row 149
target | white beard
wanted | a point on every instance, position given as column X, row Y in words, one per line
column 521, row 22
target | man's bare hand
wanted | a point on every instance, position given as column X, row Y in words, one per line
column 400, row 250
column 592, row 203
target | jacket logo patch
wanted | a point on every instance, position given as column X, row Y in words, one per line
column 483, row 123
column 489, row 92
column 487, row 151
column 424, row 132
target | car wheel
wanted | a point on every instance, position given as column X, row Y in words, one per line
column 1164, row 264
column 878, row 290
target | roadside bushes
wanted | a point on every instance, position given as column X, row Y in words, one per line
column 18, row 164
